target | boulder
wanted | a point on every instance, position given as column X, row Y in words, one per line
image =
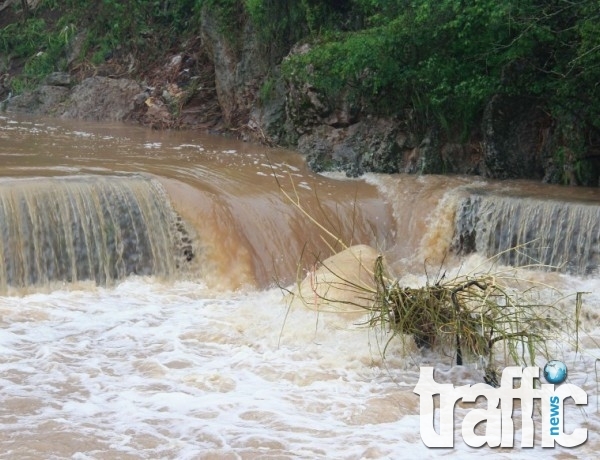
column 371, row 145
column 102, row 98
column 58, row 79
column 342, row 284
column 239, row 67
column 44, row 100
column 512, row 146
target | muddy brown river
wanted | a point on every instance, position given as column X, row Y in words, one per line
column 143, row 311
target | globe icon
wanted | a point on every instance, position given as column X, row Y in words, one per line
column 555, row 372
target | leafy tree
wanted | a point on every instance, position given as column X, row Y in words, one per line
column 444, row 59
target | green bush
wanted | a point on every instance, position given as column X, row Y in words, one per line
column 443, row 60
column 43, row 49
column 18, row 40
column 440, row 61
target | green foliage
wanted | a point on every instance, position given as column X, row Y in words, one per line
column 423, row 60
column 355, row 64
column 278, row 24
column 229, row 16
column 49, row 4
column 111, row 25
column 132, row 25
column 573, row 167
column 435, row 63
column 443, row 60
column 267, row 89
column 42, row 48
column 23, row 39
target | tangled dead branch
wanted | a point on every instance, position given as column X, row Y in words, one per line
column 473, row 312
column 475, row 315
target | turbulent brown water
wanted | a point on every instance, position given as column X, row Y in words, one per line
column 545, row 232
column 244, row 230
column 100, row 228
column 140, row 312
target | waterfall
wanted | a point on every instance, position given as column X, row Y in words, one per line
column 99, row 228
column 561, row 235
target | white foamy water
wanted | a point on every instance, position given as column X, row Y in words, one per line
column 147, row 370
column 155, row 370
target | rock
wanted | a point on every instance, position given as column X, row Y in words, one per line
column 343, row 283
column 102, row 98
column 141, row 98
column 370, row 145
column 512, row 147
column 268, row 117
column 305, row 108
column 239, row 67
column 44, row 100
column 58, row 79
column 467, row 217
column 157, row 114
column 462, row 158
column 429, row 154
column 318, row 148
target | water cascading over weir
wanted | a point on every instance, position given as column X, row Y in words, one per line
column 562, row 235
column 98, row 228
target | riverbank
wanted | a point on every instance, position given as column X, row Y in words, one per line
column 334, row 85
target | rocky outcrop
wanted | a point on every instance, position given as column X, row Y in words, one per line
column 370, row 145
column 336, row 132
column 224, row 79
column 239, row 68
column 513, row 143
column 102, row 98
column 96, row 98
column 268, row 122
column 44, row 100
column 515, row 140
column 59, row 79
column 339, row 136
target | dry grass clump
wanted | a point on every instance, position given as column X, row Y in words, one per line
column 478, row 315
column 472, row 316
column 474, row 313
